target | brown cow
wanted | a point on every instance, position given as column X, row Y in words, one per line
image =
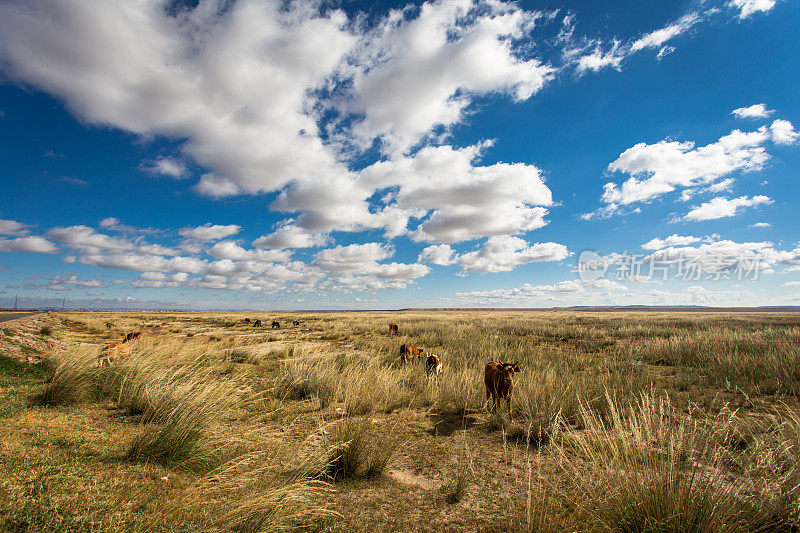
column 257, row 323
column 408, row 352
column 393, row 329
column 276, row 324
column 112, row 352
column 246, row 320
column 433, row 366
column 296, row 323
column 499, row 380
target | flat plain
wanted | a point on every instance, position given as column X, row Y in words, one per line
column 623, row 421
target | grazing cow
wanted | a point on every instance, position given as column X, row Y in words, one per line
column 393, row 329
column 409, row 352
column 112, row 352
column 109, row 325
column 276, row 324
column 499, row 380
column 257, row 323
column 433, row 366
column 296, row 323
column 246, row 321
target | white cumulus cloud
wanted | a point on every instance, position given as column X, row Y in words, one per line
column 672, row 240
column 748, row 8
column 13, row 228
column 210, row 232
column 753, row 111
column 27, row 244
column 504, row 253
column 660, row 168
column 722, row 207
column 416, row 72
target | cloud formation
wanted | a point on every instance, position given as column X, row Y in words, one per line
column 210, row 232
column 748, row 8
column 421, row 68
column 753, row 111
column 660, row 168
column 503, row 253
column 166, row 166
column 13, row 228
column 672, row 240
column 27, row 244
column 723, row 207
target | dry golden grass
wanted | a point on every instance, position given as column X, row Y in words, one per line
column 623, row 422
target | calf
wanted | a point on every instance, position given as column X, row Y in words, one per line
column 112, row 352
column 499, row 381
column 257, row 323
column 276, row 324
column 408, row 352
column 433, row 366
column 393, row 329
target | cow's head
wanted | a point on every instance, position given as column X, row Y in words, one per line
column 420, row 353
column 507, row 371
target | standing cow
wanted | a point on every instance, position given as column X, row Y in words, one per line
column 276, row 324
column 499, row 381
column 257, row 323
column 393, row 329
column 246, row 321
column 433, row 366
column 409, row 352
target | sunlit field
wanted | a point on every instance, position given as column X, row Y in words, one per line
column 633, row 421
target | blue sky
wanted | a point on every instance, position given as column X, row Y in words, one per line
column 259, row 155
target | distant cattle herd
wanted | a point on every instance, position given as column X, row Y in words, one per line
column 498, row 377
column 275, row 324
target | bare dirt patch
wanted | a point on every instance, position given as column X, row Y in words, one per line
column 29, row 339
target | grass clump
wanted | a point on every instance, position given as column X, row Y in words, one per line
column 356, row 451
column 46, row 331
column 301, row 380
column 72, row 381
column 256, row 492
column 176, row 432
column 646, row 469
column 458, row 487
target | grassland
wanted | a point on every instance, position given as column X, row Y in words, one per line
column 623, row 422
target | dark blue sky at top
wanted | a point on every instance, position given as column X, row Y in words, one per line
column 56, row 170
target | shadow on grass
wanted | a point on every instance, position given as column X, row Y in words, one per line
column 445, row 424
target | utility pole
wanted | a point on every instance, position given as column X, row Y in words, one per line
column 16, row 303
column 64, row 301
